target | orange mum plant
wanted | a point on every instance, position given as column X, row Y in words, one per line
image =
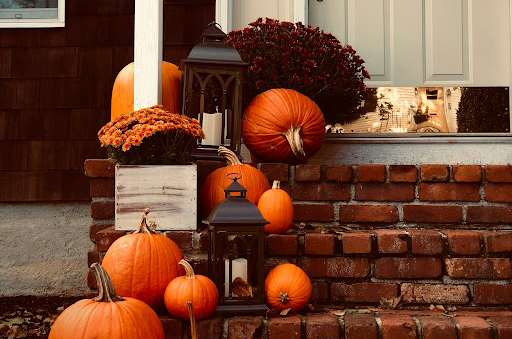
column 151, row 136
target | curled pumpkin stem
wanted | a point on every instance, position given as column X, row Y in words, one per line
column 146, row 226
column 276, row 184
column 229, row 155
column 106, row 290
column 189, row 271
column 283, row 298
column 296, row 142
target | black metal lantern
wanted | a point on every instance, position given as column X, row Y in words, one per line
column 212, row 92
column 237, row 245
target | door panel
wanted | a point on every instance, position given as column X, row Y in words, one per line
column 369, row 32
column 447, row 39
column 245, row 12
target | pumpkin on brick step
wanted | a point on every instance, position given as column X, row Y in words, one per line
column 122, row 93
column 283, row 125
column 198, row 289
column 213, row 188
column 143, row 263
column 107, row 316
column 276, row 207
column 287, row 286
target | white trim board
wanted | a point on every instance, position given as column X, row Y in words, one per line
column 148, row 49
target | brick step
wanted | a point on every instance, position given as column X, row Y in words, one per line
column 351, row 324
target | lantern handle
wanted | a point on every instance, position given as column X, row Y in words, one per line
column 235, row 176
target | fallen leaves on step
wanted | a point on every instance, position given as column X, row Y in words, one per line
column 241, row 288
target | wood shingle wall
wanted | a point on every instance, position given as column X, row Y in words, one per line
column 55, row 88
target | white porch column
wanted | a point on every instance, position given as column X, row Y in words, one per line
column 148, row 51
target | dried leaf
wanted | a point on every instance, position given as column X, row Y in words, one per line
column 272, row 313
column 285, row 312
column 241, row 288
column 339, row 313
column 390, row 304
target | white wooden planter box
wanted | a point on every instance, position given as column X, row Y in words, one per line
column 169, row 191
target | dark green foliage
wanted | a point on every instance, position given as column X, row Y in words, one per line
column 483, row 110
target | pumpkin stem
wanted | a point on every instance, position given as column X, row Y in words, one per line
column 106, row 290
column 146, row 226
column 296, row 142
column 189, row 271
column 193, row 329
column 276, row 184
column 229, row 155
column 283, row 298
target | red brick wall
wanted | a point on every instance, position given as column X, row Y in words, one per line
column 429, row 234
column 55, row 89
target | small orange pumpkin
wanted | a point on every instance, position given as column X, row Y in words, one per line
column 287, row 286
column 197, row 289
column 213, row 188
column 277, row 208
column 122, row 93
column 107, row 316
column 283, row 125
column 143, row 263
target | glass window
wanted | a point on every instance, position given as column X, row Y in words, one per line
column 31, row 13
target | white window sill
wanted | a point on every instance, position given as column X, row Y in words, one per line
column 32, row 23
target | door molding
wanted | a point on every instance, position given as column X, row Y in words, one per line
column 224, row 13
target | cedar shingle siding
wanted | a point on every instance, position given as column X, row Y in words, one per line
column 55, row 87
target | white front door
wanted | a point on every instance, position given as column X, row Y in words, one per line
column 405, row 42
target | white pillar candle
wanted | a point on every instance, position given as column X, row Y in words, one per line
column 239, row 270
column 212, row 127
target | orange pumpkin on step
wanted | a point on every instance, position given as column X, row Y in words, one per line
column 107, row 316
column 212, row 191
column 143, row 263
column 287, row 286
column 197, row 289
column 276, row 207
column 283, row 125
column 122, row 93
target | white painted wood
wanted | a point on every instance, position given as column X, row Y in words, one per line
column 60, row 21
column 148, row 48
column 170, row 191
column 224, row 15
column 245, row 12
column 486, row 40
column 330, row 16
column 448, row 41
column 370, row 32
column 300, row 11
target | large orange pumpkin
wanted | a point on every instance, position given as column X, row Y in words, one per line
column 213, row 188
column 283, row 125
column 276, row 207
column 107, row 316
column 122, row 93
column 143, row 263
column 287, row 286
column 197, row 289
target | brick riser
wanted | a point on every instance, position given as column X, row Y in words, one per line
column 418, row 233
column 384, row 325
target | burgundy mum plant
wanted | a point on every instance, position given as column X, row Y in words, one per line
column 314, row 63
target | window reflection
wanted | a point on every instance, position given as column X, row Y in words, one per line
column 432, row 110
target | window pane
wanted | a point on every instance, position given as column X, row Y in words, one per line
column 432, row 110
column 15, row 4
column 29, row 9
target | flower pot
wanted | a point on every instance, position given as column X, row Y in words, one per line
column 169, row 191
